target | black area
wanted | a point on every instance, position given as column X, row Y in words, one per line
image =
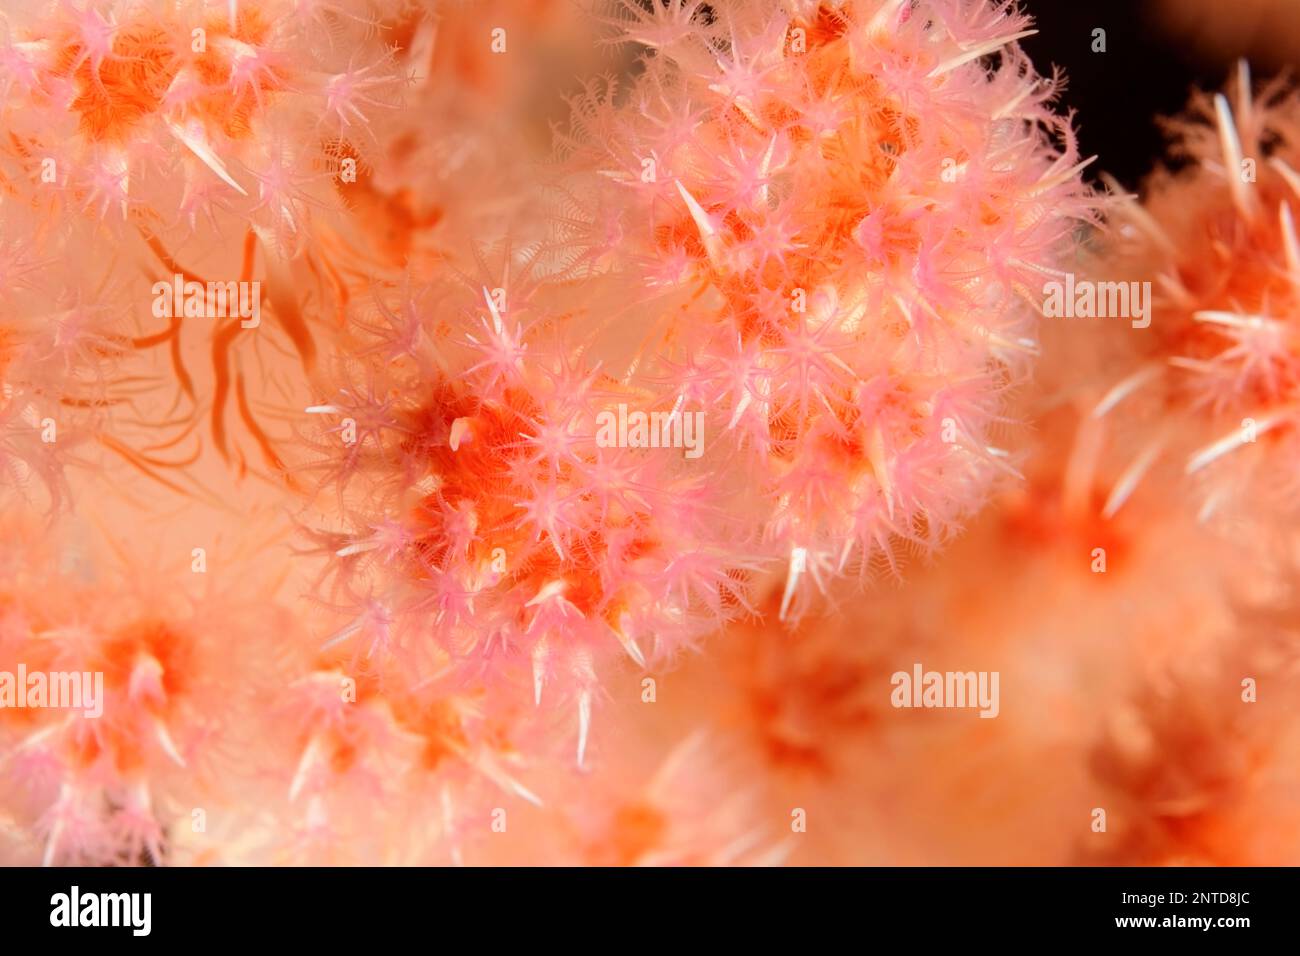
column 302, row 910
column 1118, row 94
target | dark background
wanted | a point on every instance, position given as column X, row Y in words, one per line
column 1146, row 71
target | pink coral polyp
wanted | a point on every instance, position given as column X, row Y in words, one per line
column 855, row 200
column 816, row 233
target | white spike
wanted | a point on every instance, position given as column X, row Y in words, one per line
column 487, row 766
column 1198, row 366
column 342, row 634
column 629, row 645
column 584, row 724
column 1290, row 243
column 356, row 547
column 1039, row 268
column 1242, row 197
column 1245, row 97
column 547, row 591
column 763, row 169
column 798, row 565
column 1236, row 321
column 1124, row 388
column 525, row 793
column 123, row 170
column 1023, row 345
column 309, row 756
column 459, row 433
column 1051, row 182
column 492, row 308
column 449, row 824
column 199, row 148
column 1010, row 106
column 539, row 671
column 168, row 745
column 1130, row 479
column 52, row 844
column 56, row 831
column 1210, row 505
column 975, row 52
column 1000, row 458
column 740, row 410
column 708, row 234
column 1230, row 442
column 884, row 17
column 844, row 555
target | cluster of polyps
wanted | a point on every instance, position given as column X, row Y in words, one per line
column 822, row 230
column 180, row 680
column 61, row 344
column 1221, row 364
column 818, row 226
column 828, row 224
column 110, row 104
column 492, row 520
column 165, row 133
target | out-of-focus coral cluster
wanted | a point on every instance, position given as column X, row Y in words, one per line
column 418, row 453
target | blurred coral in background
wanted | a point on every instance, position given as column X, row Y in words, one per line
column 1266, row 31
column 634, row 432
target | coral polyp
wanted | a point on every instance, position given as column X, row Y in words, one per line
column 109, row 106
column 774, row 317
column 831, row 220
column 1218, row 236
column 486, row 517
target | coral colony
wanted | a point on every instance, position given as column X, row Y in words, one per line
column 409, row 455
